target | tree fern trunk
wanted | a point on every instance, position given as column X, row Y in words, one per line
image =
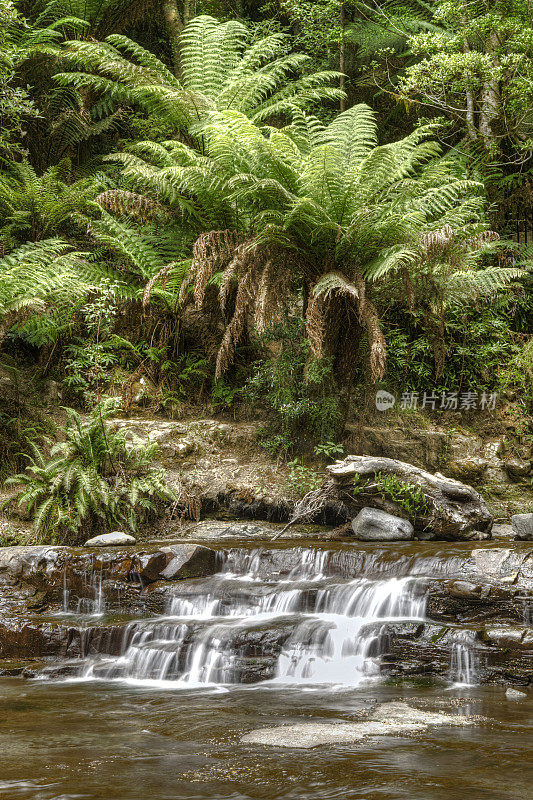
column 174, row 26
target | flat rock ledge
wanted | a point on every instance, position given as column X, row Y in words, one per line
column 389, row 719
column 450, row 510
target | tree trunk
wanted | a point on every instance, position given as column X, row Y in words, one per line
column 342, row 55
column 490, row 99
column 174, row 26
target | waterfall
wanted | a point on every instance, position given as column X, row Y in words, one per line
column 288, row 616
column 66, row 593
column 337, row 643
column 94, row 604
column 464, row 661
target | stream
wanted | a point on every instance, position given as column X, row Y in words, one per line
column 156, row 705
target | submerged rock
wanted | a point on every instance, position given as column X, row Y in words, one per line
column 399, row 712
column 514, row 694
column 373, row 525
column 114, row 539
column 389, row 719
column 439, row 507
column 522, row 525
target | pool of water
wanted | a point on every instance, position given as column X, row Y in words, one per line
column 113, row 741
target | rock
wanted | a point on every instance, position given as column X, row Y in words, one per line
column 450, row 510
column 50, row 392
column 389, row 719
column 114, row 539
column 468, row 469
column 514, row 694
column 468, row 591
column 503, row 636
column 313, row 734
column 400, row 713
column 150, row 565
column 522, row 525
column 502, row 531
column 189, row 561
column 183, row 448
column 517, row 468
column 421, row 447
column 373, row 525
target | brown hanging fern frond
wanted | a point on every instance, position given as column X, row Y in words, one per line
column 265, row 274
column 159, row 277
column 237, row 326
column 211, row 253
column 274, row 287
column 334, row 300
column 264, row 312
column 435, row 242
column 120, row 201
column 485, row 237
column 185, row 285
column 227, row 281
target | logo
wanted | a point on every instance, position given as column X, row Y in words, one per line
column 384, row 400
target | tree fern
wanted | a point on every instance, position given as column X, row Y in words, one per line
column 326, row 208
column 221, row 70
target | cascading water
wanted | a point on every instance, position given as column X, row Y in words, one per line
column 335, row 643
column 464, row 661
column 319, row 626
column 93, row 605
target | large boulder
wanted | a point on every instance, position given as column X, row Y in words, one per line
column 373, row 525
column 438, row 507
column 522, row 525
column 189, row 561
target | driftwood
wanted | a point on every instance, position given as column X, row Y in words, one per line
column 442, row 508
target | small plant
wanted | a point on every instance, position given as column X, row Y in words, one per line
column 302, row 479
column 329, row 450
column 409, row 496
column 359, row 485
column 95, row 478
column 223, row 395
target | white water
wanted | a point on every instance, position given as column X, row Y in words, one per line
column 94, row 604
column 464, row 661
column 321, row 628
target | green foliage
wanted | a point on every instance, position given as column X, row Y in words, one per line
column 516, row 377
column 409, row 496
column 478, row 341
column 223, row 395
column 478, row 70
column 93, row 479
column 15, row 101
column 355, row 224
column 221, row 69
column 21, row 423
column 302, row 479
column 35, row 207
column 328, row 450
column 298, row 391
column 39, row 283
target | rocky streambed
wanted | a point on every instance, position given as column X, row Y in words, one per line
column 252, row 611
column 229, row 666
